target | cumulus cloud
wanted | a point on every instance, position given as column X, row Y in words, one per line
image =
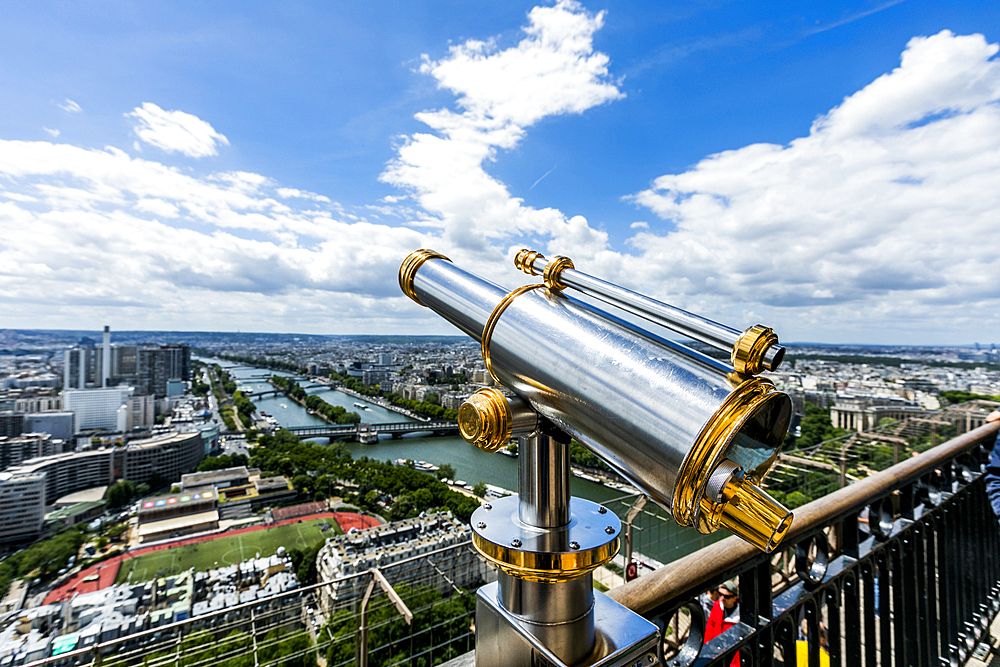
column 887, row 211
column 147, row 242
column 52, row 133
column 553, row 70
column 176, row 131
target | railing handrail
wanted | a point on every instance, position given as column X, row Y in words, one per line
column 667, row 583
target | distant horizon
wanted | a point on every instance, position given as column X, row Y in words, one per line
column 97, row 333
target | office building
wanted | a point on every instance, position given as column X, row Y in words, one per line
column 168, row 456
column 148, row 368
column 41, row 402
column 22, row 498
column 16, row 450
column 69, row 472
column 96, row 408
column 11, row 424
column 57, row 424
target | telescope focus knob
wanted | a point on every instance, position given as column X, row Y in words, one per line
column 489, row 419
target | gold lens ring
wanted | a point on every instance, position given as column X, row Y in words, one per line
column 711, row 444
column 408, row 270
column 491, row 324
column 553, row 271
column 748, row 353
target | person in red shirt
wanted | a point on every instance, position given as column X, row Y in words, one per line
column 725, row 614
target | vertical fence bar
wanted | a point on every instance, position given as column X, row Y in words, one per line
column 947, row 565
column 884, row 597
column 832, row 598
column 899, row 585
column 968, row 562
column 868, row 577
column 933, row 597
column 852, row 620
column 910, row 615
column 920, row 592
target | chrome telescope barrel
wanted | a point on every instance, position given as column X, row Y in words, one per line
column 752, row 351
column 663, row 419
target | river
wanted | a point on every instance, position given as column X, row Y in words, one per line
column 656, row 535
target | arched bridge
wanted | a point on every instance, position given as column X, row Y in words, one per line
column 370, row 432
column 278, row 392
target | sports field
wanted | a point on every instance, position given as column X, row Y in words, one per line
column 226, row 550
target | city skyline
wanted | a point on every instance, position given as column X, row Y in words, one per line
column 829, row 171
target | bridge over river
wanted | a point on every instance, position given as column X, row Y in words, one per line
column 368, row 433
column 280, row 392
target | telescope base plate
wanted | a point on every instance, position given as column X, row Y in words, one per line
column 624, row 639
column 588, row 541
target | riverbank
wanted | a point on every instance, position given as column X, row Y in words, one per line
column 382, row 403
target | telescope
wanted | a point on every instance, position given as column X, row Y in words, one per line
column 694, row 433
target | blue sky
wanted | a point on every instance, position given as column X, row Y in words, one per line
column 259, row 166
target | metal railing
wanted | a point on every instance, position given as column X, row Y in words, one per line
column 279, row 630
column 901, row 568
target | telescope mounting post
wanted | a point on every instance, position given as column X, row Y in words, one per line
column 543, row 608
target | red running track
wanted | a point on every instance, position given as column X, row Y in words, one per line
column 348, row 520
column 108, row 570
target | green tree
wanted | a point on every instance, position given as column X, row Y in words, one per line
column 302, row 483
column 446, row 471
column 479, row 489
column 120, row 493
column 816, row 427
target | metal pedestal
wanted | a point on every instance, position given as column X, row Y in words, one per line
column 543, row 609
column 622, row 638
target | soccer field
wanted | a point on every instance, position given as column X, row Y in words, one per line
column 226, row 550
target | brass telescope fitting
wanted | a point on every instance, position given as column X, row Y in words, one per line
column 408, row 270
column 525, row 261
column 754, row 345
column 733, row 501
column 488, row 419
column 546, row 555
column 553, row 272
column 712, row 491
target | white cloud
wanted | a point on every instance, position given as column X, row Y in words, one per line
column 88, row 233
column 70, row 106
column 52, row 133
column 176, row 131
column 287, row 193
column 884, row 215
column 553, row 70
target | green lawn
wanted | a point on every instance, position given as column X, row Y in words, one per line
column 226, row 550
